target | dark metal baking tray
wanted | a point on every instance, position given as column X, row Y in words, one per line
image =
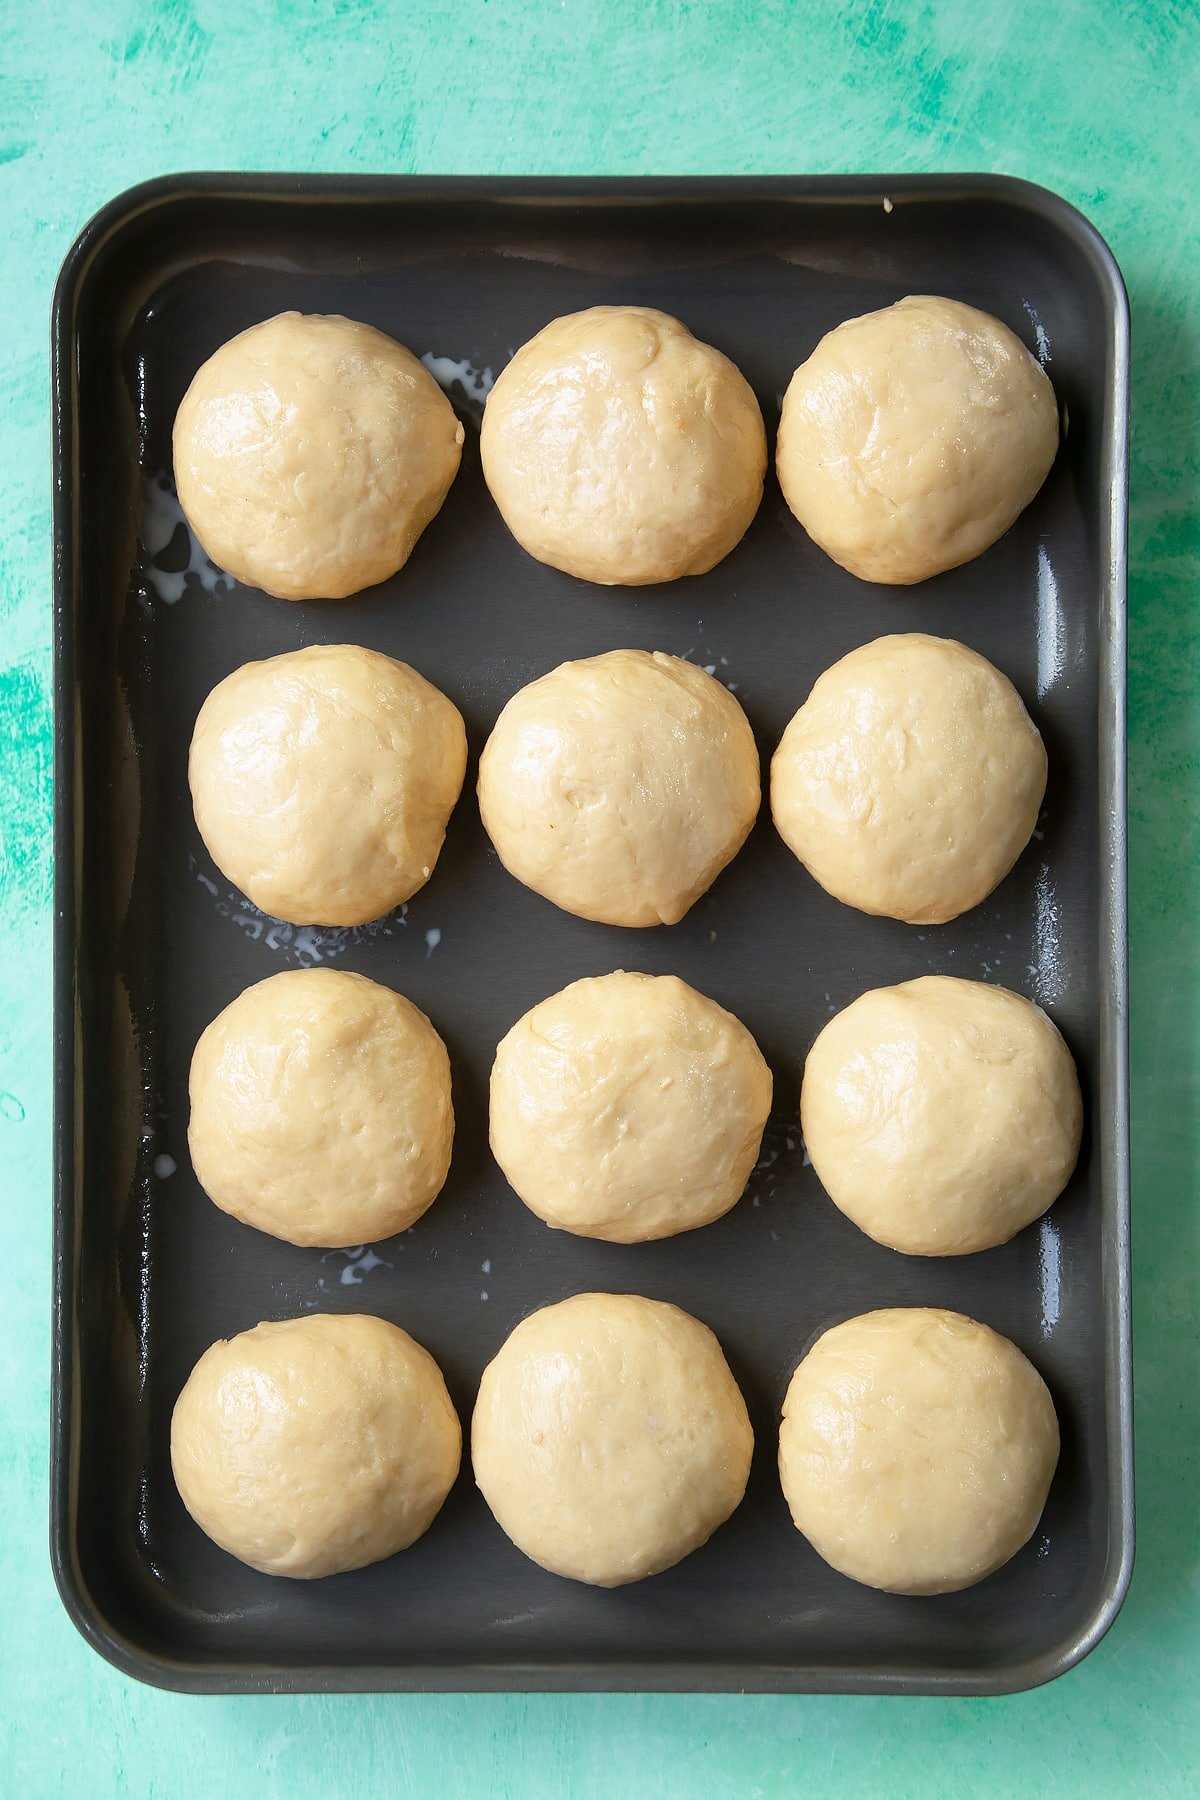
column 151, row 941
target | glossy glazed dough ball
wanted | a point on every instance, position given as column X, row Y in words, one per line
column 910, row 780
column 942, row 1116
column 917, row 1449
column 310, row 1446
column 609, row 1437
column 912, row 438
column 628, row 1107
column 619, row 787
column 310, row 455
column 323, row 780
column 320, row 1109
column 621, row 449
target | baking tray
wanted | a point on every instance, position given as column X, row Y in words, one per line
column 152, row 941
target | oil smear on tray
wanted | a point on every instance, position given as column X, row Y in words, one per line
column 167, row 537
column 461, row 380
column 305, row 945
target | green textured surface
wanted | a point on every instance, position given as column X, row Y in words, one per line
column 1097, row 100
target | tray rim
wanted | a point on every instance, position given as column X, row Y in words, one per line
column 150, row 1665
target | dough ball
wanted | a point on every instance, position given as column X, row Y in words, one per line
column 619, row 787
column 620, row 448
column 628, row 1107
column 323, row 780
column 913, row 437
column 321, row 1109
column 310, row 1446
column 910, row 780
column 942, row 1116
column 609, row 1437
column 917, row 1449
column 310, row 455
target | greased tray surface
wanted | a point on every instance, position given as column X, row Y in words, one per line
column 152, row 941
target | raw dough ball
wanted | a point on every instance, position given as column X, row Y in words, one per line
column 910, row 780
column 321, row 1109
column 628, row 1107
column 619, row 787
column 609, row 1437
column 941, row 1116
column 913, row 437
column 323, row 781
column 311, row 453
column 310, row 1446
column 917, row 1449
column 620, row 448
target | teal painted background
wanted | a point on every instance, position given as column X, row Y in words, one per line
column 1099, row 100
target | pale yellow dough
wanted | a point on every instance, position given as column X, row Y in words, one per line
column 609, row 1437
column 942, row 1116
column 912, row 438
column 320, row 1109
column 917, row 1449
column 314, row 1445
column 323, row 780
column 628, row 1107
column 910, row 780
column 619, row 787
column 621, row 449
column 311, row 453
